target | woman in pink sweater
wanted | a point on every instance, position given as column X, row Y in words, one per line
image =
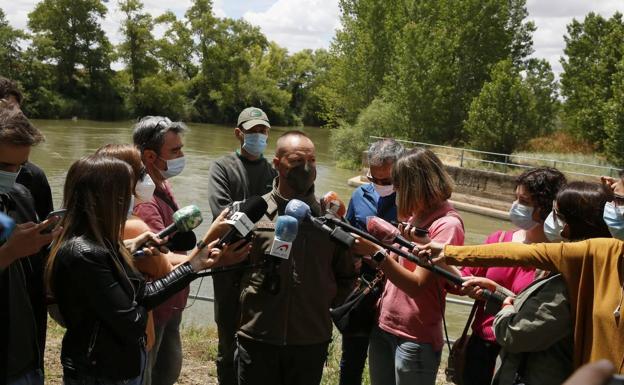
column 405, row 347
column 535, row 191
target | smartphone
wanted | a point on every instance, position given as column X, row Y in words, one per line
column 419, row 231
column 56, row 213
column 617, row 379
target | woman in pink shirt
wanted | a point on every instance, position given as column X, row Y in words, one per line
column 405, row 347
column 535, row 191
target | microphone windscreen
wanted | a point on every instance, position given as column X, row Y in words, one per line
column 297, row 209
column 381, row 229
column 254, row 207
column 334, row 205
column 182, row 241
column 286, row 228
column 187, row 218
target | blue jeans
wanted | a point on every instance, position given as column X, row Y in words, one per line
column 354, row 350
column 394, row 360
column 34, row 377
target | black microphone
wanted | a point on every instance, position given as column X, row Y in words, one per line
column 244, row 220
column 286, row 228
column 182, row 241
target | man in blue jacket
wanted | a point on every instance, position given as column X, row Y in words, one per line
column 376, row 198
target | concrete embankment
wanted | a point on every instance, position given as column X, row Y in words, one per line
column 476, row 191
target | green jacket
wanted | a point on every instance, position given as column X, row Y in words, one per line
column 537, row 329
column 318, row 275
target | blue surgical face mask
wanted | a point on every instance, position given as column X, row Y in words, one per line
column 174, row 167
column 7, row 180
column 553, row 227
column 522, row 216
column 131, row 207
column 614, row 218
column 255, row 143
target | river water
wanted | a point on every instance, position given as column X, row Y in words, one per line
column 68, row 140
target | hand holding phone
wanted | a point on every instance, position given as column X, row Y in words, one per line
column 53, row 224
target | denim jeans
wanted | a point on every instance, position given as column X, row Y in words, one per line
column 394, row 360
column 78, row 379
column 354, row 351
column 34, row 377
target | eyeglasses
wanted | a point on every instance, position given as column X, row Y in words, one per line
column 381, row 182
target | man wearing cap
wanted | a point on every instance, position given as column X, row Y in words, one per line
column 236, row 177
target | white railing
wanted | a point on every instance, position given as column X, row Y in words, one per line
column 469, row 158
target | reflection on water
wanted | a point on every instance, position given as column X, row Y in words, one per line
column 67, row 141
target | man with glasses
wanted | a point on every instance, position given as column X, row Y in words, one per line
column 160, row 142
column 376, row 198
column 236, row 177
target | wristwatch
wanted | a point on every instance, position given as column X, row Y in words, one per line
column 379, row 256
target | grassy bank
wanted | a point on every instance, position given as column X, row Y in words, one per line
column 200, row 351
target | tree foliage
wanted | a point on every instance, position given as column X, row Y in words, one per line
column 593, row 49
column 503, row 116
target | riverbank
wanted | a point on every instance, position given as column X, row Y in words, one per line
column 200, row 351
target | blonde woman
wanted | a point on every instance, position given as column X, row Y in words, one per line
column 405, row 347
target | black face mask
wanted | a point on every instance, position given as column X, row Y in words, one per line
column 301, row 178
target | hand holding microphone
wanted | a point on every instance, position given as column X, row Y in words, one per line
column 185, row 219
column 301, row 211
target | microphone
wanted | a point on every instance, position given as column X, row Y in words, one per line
column 286, row 228
column 455, row 279
column 389, row 234
column 333, row 205
column 185, row 219
column 182, row 241
column 7, row 224
column 301, row 211
column 244, row 220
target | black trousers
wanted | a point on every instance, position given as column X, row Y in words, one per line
column 261, row 364
column 480, row 361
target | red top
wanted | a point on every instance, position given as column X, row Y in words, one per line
column 512, row 278
column 157, row 215
column 419, row 318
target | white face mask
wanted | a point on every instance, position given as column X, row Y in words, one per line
column 522, row 216
column 553, row 226
column 174, row 167
column 383, row 191
column 144, row 189
column 613, row 216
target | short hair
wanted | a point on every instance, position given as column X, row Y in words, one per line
column 581, row 204
column 16, row 129
column 542, row 184
column 384, row 151
column 149, row 132
column 279, row 152
column 421, row 181
column 9, row 88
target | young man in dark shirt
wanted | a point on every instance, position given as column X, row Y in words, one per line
column 236, row 177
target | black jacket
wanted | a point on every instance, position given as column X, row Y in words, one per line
column 104, row 304
column 19, row 348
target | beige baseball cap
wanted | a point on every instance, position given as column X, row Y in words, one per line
column 252, row 116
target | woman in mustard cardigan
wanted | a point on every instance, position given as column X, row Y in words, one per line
column 594, row 274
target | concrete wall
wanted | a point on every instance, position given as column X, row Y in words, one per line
column 483, row 184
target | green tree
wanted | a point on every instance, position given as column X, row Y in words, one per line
column 593, row 50
column 136, row 49
column 614, row 120
column 541, row 80
column 175, row 51
column 502, row 117
column 72, row 37
column 10, row 50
